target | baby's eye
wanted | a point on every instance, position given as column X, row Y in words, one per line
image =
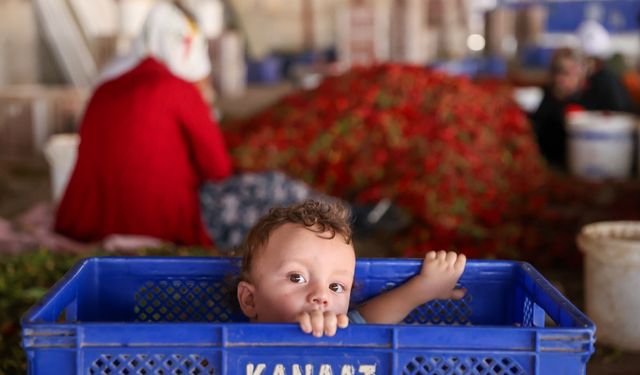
column 336, row 287
column 297, row 278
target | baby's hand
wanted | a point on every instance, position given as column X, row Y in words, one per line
column 317, row 322
column 440, row 273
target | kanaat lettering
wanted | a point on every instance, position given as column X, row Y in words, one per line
column 309, row 369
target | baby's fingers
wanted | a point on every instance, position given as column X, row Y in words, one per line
column 317, row 323
column 431, row 255
column 451, row 257
column 343, row 321
column 458, row 293
column 330, row 323
column 305, row 322
column 461, row 261
column 430, row 261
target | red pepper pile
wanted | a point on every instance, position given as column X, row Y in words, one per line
column 459, row 156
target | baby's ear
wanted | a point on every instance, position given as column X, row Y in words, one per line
column 246, row 299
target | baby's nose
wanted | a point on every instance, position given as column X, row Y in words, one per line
column 320, row 300
column 319, row 297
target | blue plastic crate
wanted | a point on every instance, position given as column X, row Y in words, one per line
column 264, row 71
column 467, row 67
column 172, row 316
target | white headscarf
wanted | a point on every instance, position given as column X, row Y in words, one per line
column 169, row 36
column 594, row 39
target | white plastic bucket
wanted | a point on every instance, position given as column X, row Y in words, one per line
column 612, row 280
column 61, row 152
column 600, row 145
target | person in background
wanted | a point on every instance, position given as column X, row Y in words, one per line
column 298, row 267
column 152, row 161
column 567, row 79
column 579, row 80
column 631, row 79
column 147, row 141
column 603, row 91
column 149, row 144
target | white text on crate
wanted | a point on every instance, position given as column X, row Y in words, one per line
column 309, row 369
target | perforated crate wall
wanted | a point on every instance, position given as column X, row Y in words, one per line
column 176, row 316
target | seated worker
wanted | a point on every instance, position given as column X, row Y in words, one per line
column 567, row 80
column 579, row 79
column 152, row 161
column 631, row 80
column 147, row 141
column 604, row 90
column 298, row 267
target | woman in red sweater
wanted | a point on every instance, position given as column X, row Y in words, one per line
column 152, row 161
column 148, row 141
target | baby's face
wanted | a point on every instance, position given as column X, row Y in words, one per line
column 300, row 271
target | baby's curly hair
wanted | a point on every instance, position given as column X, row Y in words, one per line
column 320, row 217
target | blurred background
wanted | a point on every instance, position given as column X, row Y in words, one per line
column 479, row 65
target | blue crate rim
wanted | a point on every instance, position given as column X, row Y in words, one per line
column 226, row 336
column 584, row 321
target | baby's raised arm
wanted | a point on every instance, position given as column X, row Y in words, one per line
column 437, row 280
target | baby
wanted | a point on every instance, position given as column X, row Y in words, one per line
column 299, row 264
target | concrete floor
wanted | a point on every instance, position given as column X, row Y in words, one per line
column 23, row 184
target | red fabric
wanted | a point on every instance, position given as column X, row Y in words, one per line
column 147, row 142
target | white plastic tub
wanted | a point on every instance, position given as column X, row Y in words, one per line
column 600, row 145
column 612, row 280
column 61, row 152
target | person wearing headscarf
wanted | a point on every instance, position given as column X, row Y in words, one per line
column 147, row 141
column 152, row 161
column 603, row 89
